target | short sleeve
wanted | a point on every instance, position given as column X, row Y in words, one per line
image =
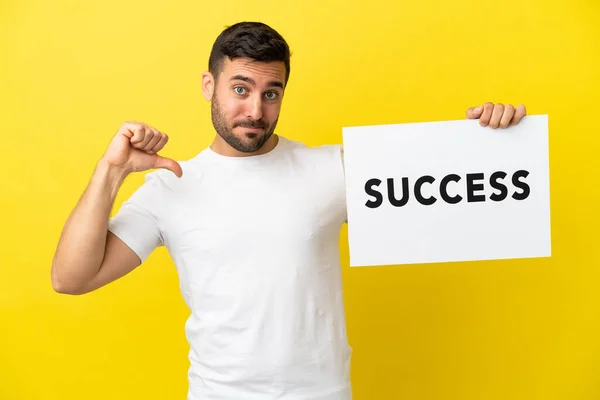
column 136, row 222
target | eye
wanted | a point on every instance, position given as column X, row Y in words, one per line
column 239, row 90
column 271, row 95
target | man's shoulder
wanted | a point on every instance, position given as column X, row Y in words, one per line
column 302, row 148
column 319, row 157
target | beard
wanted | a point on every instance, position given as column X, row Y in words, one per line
column 248, row 142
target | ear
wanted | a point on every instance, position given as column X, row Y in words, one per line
column 208, row 85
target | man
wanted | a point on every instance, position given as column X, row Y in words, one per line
column 252, row 224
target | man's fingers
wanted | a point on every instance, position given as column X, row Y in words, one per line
column 474, row 112
column 155, row 138
column 167, row 163
column 496, row 116
column 138, row 132
column 486, row 115
column 509, row 112
column 127, row 129
column 520, row 112
column 161, row 143
column 148, row 136
column 141, row 136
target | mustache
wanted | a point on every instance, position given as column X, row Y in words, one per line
column 250, row 124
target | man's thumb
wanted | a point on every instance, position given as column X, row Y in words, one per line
column 167, row 163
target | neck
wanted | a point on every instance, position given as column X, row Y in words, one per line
column 223, row 148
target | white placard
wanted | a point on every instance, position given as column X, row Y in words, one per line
column 484, row 193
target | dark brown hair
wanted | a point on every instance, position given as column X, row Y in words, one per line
column 254, row 40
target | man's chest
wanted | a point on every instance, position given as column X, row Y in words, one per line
column 222, row 214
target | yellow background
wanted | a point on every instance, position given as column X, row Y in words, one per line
column 72, row 71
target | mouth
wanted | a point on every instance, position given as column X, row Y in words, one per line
column 252, row 130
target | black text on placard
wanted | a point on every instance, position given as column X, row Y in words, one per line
column 398, row 194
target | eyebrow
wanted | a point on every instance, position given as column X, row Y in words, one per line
column 251, row 81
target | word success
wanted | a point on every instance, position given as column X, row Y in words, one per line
column 473, row 183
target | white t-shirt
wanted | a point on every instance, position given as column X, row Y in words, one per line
column 255, row 242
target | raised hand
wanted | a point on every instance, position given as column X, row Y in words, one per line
column 497, row 115
column 135, row 148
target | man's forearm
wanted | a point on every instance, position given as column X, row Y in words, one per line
column 82, row 244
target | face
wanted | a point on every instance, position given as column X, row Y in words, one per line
column 246, row 100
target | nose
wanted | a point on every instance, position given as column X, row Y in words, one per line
column 255, row 108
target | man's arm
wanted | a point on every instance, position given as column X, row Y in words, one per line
column 88, row 256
